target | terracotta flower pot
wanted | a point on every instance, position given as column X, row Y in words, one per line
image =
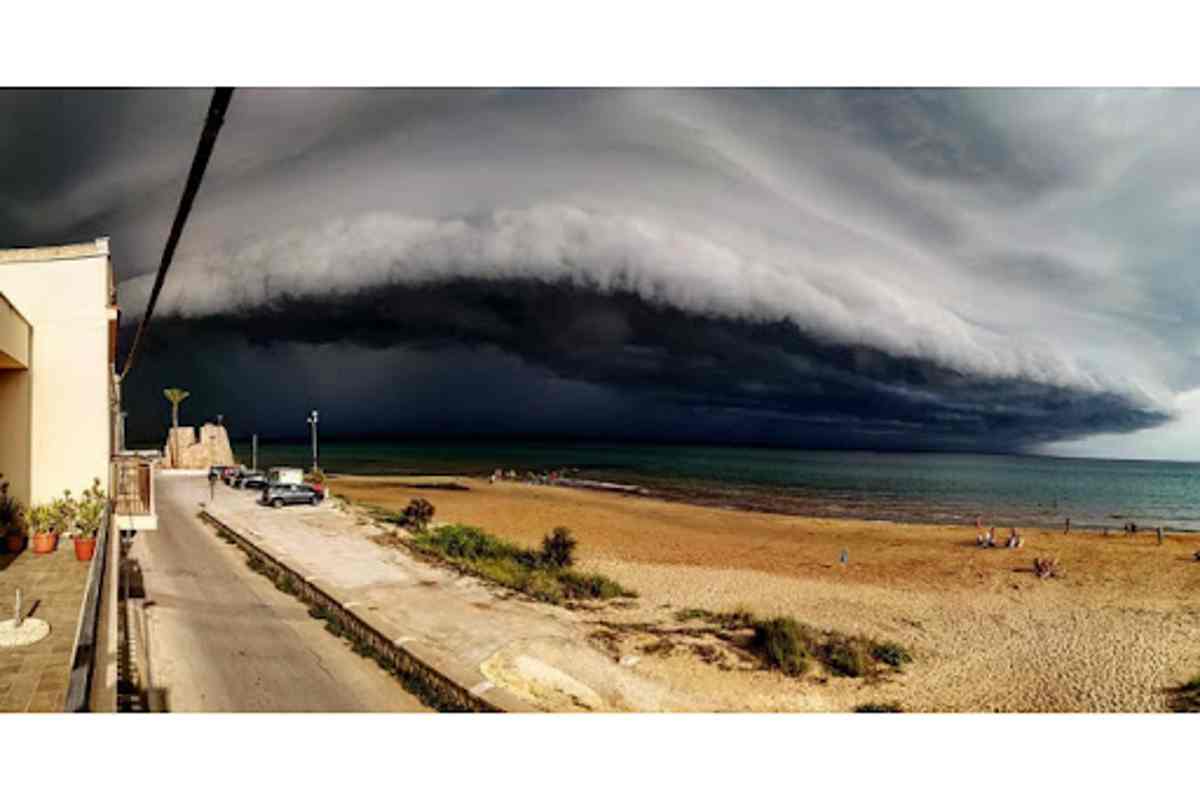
column 45, row 542
column 85, row 548
column 14, row 543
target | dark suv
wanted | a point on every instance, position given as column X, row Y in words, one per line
column 279, row 495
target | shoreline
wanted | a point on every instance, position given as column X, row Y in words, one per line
column 794, row 505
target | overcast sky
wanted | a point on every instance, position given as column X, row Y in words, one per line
column 981, row 270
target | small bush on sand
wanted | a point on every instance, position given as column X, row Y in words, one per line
column 590, row 586
column 417, row 515
column 879, row 707
column 891, row 653
column 1186, row 698
column 846, row 658
column 558, row 548
column 740, row 618
column 782, row 644
column 542, row 586
column 788, row 646
column 1046, row 567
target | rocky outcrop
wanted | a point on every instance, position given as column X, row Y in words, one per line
column 211, row 449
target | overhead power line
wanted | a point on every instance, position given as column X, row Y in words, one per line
column 208, row 138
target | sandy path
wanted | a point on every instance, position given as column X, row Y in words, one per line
column 1118, row 628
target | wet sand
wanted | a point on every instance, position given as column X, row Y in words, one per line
column 1118, row 628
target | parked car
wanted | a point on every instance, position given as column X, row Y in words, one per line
column 252, row 480
column 231, row 471
column 217, row 471
column 277, row 495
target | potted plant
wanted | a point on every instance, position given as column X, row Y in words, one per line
column 40, row 519
column 89, row 516
column 12, row 520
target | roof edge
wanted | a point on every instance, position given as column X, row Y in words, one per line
column 48, row 253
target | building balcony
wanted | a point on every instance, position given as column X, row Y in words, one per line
column 133, row 490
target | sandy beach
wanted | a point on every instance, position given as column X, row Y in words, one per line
column 1112, row 633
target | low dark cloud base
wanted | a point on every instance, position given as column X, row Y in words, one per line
column 589, row 365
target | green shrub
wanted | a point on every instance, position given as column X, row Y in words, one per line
column 782, row 644
column 891, row 653
column 465, row 543
column 542, row 586
column 692, row 613
column 845, row 658
column 591, row 586
column 417, row 515
column 739, row 618
column 879, row 707
column 558, row 548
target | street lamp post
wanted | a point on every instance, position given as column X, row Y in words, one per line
column 312, row 421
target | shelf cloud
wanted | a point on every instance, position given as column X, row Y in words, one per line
column 993, row 270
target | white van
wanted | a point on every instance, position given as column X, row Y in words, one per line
column 286, row 476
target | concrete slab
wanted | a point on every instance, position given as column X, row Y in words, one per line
column 487, row 638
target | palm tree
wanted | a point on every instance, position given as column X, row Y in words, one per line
column 176, row 396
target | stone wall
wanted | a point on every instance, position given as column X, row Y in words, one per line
column 211, row 449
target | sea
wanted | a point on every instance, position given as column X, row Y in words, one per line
column 1007, row 490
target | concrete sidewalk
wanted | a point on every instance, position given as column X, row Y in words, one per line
column 512, row 652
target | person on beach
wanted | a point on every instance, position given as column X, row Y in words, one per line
column 1067, row 531
column 991, row 538
column 1159, row 533
column 1014, row 540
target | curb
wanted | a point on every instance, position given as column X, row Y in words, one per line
column 435, row 684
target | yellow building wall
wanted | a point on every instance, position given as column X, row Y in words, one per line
column 65, row 298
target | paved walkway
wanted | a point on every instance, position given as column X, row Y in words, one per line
column 223, row 639
column 33, row 679
column 484, row 637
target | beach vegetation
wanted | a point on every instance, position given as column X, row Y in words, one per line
column 417, row 515
column 892, row 653
column 879, row 707
column 845, row 657
column 787, row 645
column 739, row 618
column 539, row 574
column 783, row 644
column 558, row 548
column 1186, row 697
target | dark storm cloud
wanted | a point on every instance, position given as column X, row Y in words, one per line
column 941, row 269
column 652, row 358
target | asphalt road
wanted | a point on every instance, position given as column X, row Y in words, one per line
column 223, row 639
